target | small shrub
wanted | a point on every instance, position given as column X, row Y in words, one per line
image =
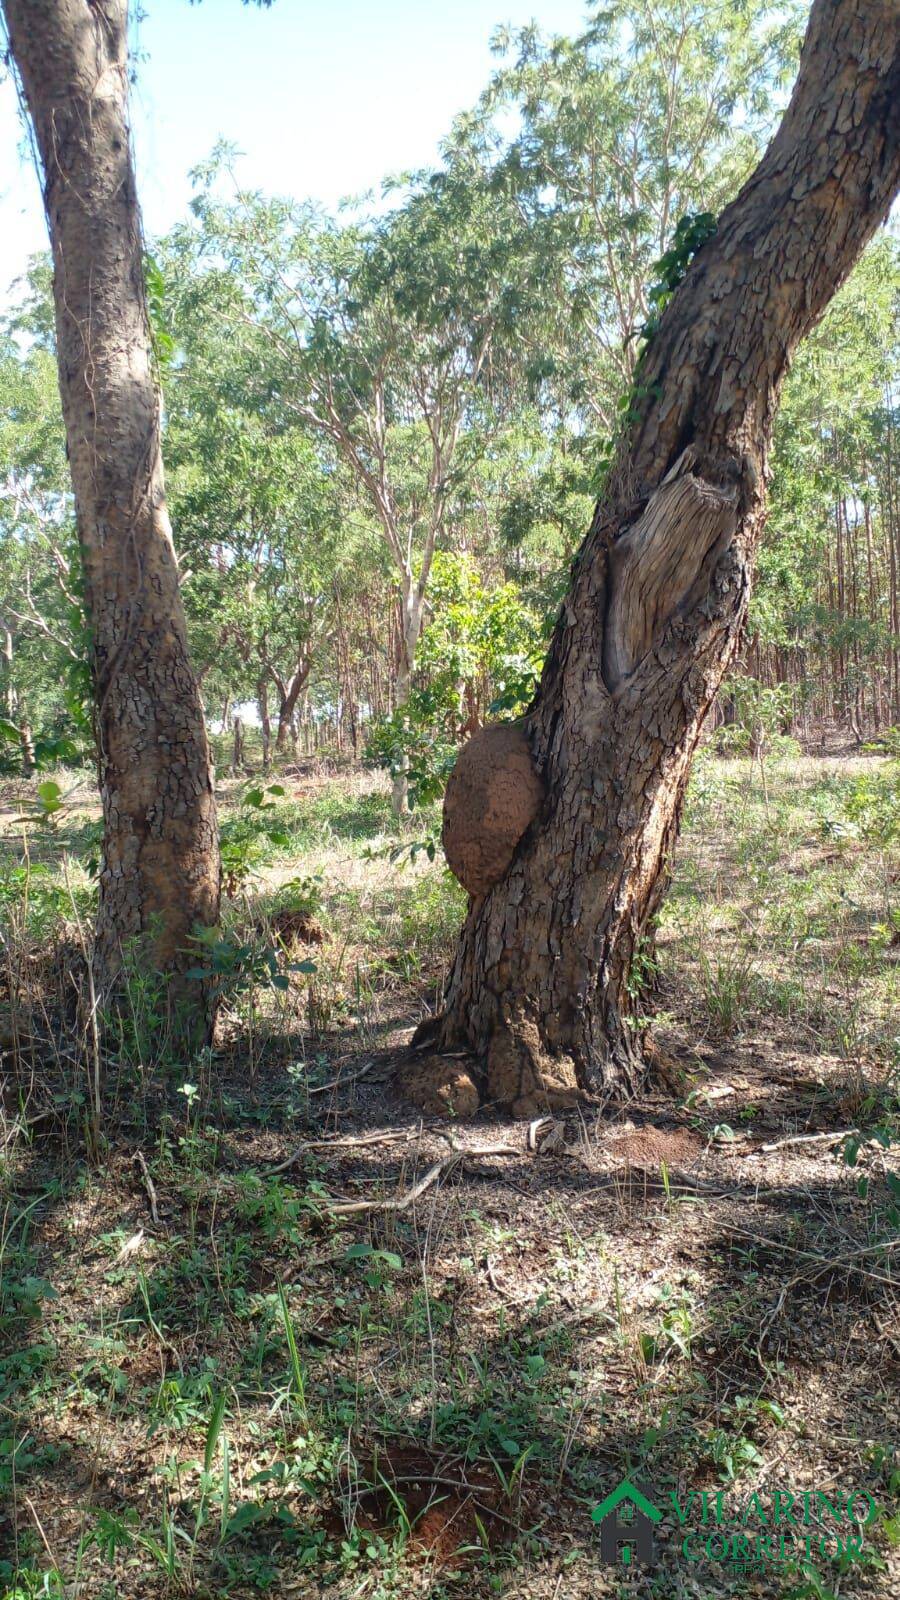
column 727, row 985
column 251, row 837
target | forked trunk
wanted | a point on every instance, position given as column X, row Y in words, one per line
column 160, row 873
column 288, row 698
column 541, row 988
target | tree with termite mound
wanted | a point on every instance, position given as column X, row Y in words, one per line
column 540, row 987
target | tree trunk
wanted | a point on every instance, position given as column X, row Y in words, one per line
column 288, row 703
column 29, row 757
column 237, row 747
column 6, row 655
column 541, row 990
column 400, row 768
column 410, row 629
column 160, row 873
column 265, row 721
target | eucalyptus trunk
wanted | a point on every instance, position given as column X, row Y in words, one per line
column 541, row 990
column 411, row 609
column 160, row 872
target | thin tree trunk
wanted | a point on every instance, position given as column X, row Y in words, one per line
column 345, row 671
column 894, row 557
column 237, row 748
column 400, row 769
column 265, row 721
column 29, row 757
column 541, row 987
column 409, row 631
column 873, row 611
column 6, row 655
column 160, row 872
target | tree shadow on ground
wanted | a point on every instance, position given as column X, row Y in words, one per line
column 472, row 1373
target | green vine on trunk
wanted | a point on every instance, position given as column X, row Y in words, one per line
column 691, row 233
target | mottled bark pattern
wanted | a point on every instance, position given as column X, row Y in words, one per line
column 160, row 871
column 540, row 988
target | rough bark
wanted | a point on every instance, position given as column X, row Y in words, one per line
column 540, row 990
column 160, row 872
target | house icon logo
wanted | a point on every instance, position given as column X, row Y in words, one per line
column 626, row 1519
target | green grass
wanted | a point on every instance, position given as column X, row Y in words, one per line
column 784, row 908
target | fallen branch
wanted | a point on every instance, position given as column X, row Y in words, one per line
column 402, row 1202
column 825, row 1264
column 351, row 1141
column 148, row 1185
column 340, row 1080
column 807, row 1138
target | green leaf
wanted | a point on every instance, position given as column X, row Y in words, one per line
column 217, row 1417
column 246, row 1515
column 50, row 797
column 364, row 1251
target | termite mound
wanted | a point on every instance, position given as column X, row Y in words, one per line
column 493, row 796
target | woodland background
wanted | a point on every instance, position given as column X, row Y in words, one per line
column 385, row 430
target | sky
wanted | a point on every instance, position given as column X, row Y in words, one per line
column 324, row 97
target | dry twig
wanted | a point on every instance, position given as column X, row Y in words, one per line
column 148, row 1185
column 340, row 1081
column 806, row 1138
column 402, row 1202
column 350, row 1141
